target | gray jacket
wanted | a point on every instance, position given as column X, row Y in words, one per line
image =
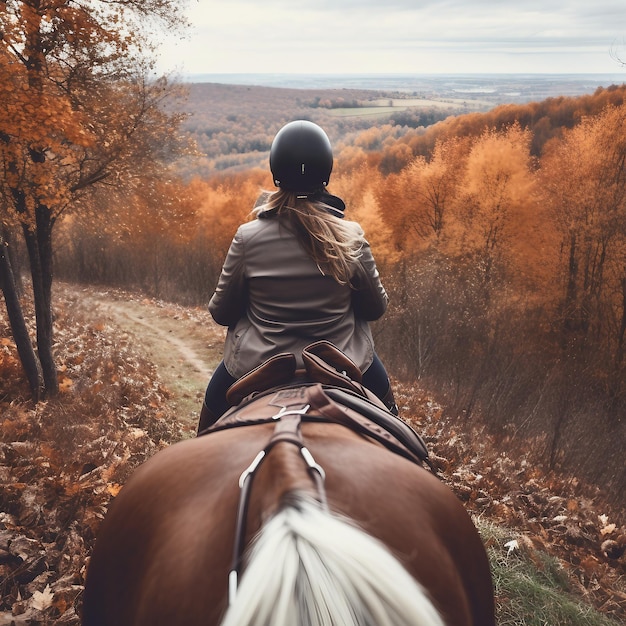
column 274, row 298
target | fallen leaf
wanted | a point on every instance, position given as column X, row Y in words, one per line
column 608, row 529
column 42, row 600
column 65, row 384
column 511, row 546
column 114, row 489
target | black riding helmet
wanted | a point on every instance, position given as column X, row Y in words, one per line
column 301, row 157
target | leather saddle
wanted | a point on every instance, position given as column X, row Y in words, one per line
column 329, row 389
column 323, row 363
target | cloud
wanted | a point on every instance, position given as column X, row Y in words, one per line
column 325, row 36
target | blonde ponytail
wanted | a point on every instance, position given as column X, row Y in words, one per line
column 334, row 245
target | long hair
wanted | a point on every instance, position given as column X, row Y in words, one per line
column 309, row 567
column 332, row 244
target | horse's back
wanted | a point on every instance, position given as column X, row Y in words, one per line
column 417, row 517
column 165, row 549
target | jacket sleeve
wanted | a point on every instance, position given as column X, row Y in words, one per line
column 229, row 300
column 369, row 298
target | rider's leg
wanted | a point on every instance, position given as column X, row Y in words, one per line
column 375, row 378
column 215, row 404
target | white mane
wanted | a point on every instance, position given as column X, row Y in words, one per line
column 311, row 568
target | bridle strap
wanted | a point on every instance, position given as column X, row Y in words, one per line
column 287, row 430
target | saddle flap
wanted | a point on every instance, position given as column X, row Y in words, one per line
column 328, row 354
column 277, row 370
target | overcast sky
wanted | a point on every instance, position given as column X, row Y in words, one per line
column 400, row 36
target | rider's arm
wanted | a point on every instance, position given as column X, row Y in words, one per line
column 228, row 303
column 369, row 297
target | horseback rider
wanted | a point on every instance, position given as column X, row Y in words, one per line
column 297, row 274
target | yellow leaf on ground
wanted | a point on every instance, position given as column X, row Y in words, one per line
column 65, row 384
column 114, row 489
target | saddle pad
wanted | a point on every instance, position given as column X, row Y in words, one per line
column 387, row 421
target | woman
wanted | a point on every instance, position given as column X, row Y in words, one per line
column 297, row 274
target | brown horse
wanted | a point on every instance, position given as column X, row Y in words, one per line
column 384, row 542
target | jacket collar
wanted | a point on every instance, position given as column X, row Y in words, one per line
column 333, row 204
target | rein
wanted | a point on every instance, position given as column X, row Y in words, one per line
column 287, row 430
column 333, row 393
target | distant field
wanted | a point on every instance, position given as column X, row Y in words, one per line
column 384, row 107
column 374, row 111
column 430, row 102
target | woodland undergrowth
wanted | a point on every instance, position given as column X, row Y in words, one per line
column 63, row 461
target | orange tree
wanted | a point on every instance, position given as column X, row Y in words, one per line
column 79, row 113
column 583, row 184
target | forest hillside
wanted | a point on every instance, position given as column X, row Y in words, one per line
column 234, row 125
column 132, row 376
column 500, row 236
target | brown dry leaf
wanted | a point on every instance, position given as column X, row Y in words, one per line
column 608, row 529
column 589, row 565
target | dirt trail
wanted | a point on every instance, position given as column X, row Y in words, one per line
column 184, row 343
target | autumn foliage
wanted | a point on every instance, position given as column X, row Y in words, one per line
column 63, row 461
column 78, row 108
column 501, row 238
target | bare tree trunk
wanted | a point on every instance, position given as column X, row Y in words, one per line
column 616, row 388
column 14, row 258
column 622, row 329
column 18, row 325
column 571, row 293
column 39, row 246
